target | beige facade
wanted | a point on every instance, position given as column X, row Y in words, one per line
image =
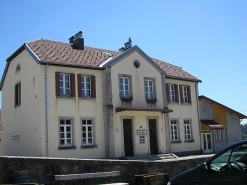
column 46, row 110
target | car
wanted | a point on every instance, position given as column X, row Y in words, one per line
column 226, row 167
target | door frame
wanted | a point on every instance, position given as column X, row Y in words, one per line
column 133, row 135
column 157, row 133
column 211, row 138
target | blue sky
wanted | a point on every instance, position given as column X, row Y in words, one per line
column 207, row 38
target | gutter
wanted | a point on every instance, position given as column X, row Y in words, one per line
column 198, row 111
column 46, row 112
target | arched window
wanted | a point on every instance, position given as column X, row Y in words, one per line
column 18, row 68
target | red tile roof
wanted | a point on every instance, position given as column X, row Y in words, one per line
column 64, row 53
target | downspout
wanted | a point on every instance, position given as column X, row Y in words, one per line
column 46, row 112
column 198, row 112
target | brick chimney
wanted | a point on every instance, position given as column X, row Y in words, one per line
column 77, row 40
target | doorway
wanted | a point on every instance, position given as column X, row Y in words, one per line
column 207, row 142
column 153, row 136
column 128, row 140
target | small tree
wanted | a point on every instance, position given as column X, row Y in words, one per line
column 243, row 130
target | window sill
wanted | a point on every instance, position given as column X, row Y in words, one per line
column 89, row 146
column 151, row 100
column 172, row 102
column 86, row 98
column 18, row 105
column 186, row 103
column 221, row 141
column 189, row 141
column 65, row 97
column 66, row 147
column 126, row 99
column 176, row 142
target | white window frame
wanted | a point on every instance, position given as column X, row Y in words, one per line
column 123, row 84
column 65, row 132
column 185, row 94
column 187, row 129
column 84, row 89
column 87, row 131
column 149, row 89
column 171, row 88
column 63, row 87
column 174, row 132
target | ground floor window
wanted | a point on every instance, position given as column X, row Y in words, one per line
column 65, row 132
column 187, row 130
column 87, row 132
column 174, row 130
column 220, row 135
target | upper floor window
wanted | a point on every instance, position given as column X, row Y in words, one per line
column 18, row 94
column 65, row 84
column 124, row 87
column 86, row 86
column 172, row 92
column 18, row 68
column 185, row 94
column 149, row 90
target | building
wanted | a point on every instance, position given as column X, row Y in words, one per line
column 70, row 100
column 220, row 125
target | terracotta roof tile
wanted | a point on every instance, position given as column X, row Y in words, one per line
column 212, row 124
column 64, row 53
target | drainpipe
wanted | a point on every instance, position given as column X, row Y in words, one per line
column 198, row 111
column 46, row 112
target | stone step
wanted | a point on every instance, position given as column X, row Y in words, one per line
column 153, row 157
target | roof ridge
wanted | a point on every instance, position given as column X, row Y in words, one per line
column 33, row 41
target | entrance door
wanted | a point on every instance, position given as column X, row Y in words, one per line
column 207, row 142
column 128, row 143
column 153, row 136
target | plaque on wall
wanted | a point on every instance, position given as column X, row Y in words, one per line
column 141, row 132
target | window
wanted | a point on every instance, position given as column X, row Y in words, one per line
column 86, row 86
column 87, row 131
column 220, row 135
column 187, row 130
column 124, row 87
column 65, row 84
column 172, row 92
column 149, row 89
column 65, row 126
column 185, row 94
column 18, row 68
column 18, row 94
column 174, row 130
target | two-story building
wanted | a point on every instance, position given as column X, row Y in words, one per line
column 70, row 100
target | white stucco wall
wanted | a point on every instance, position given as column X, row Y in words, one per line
column 21, row 125
column 182, row 112
column 206, row 111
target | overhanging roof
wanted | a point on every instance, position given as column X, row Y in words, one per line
column 212, row 124
column 139, row 109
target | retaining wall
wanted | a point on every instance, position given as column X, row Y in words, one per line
column 42, row 170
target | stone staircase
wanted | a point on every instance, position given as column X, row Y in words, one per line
column 152, row 157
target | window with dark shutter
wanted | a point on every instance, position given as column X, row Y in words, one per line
column 86, row 86
column 189, row 94
column 65, row 84
column 167, row 93
column 176, row 92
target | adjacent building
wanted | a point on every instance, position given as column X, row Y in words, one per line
column 220, row 125
column 70, row 100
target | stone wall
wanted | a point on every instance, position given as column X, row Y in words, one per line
column 42, row 170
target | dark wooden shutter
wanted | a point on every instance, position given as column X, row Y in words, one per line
column 72, row 84
column 93, row 86
column 79, row 84
column 19, row 86
column 167, row 93
column 176, row 92
column 181, row 94
column 189, row 94
column 57, row 84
